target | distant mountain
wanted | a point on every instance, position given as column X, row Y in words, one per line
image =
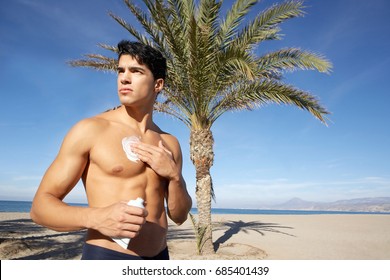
column 370, row 204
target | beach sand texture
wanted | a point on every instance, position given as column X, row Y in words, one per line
column 270, row 237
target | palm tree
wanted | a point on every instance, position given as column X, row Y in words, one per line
column 213, row 68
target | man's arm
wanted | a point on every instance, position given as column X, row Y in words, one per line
column 169, row 165
column 49, row 210
column 179, row 201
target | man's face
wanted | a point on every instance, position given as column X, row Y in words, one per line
column 136, row 84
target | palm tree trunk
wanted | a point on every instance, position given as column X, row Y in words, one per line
column 202, row 156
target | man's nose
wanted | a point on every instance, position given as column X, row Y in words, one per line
column 126, row 78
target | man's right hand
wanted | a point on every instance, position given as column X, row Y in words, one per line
column 118, row 220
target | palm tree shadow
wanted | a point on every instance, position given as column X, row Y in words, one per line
column 37, row 242
column 234, row 227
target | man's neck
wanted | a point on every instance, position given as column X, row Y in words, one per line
column 140, row 120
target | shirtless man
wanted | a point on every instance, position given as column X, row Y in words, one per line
column 92, row 151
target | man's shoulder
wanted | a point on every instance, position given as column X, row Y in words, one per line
column 96, row 122
column 168, row 137
column 165, row 135
column 169, row 140
column 90, row 126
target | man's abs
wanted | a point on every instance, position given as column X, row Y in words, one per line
column 150, row 241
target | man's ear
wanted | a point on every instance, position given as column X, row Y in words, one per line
column 158, row 86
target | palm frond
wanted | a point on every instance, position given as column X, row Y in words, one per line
column 236, row 63
column 139, row 36
column 173, row 45
column 179, row 99
column 233, row 19
column 207, row 17
column 247, row 96
column 160, row 14
column 109, row 47
column 265, row 25
column 167, row 108
column 182, row 12
column 275, row 63
column 96, row 61
column 199, row 233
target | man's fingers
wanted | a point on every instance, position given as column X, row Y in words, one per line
column 148, row 153
column 145, row 147
column 135, row 211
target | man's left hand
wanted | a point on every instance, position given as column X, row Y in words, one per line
column 159, row 158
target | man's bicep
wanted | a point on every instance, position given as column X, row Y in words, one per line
column 68, row 167
column 63, row 175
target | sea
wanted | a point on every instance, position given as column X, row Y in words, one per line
column 25, row 206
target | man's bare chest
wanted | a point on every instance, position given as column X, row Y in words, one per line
column 109, row 156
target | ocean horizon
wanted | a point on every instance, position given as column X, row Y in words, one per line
column 25, row 206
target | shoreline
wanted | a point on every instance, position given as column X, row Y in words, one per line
column 25, row 206
column 235, row 236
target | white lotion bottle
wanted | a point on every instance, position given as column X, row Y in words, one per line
column 124, row 242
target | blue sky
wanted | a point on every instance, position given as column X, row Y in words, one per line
column 262, row 157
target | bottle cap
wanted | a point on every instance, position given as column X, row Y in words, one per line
column 139, row 202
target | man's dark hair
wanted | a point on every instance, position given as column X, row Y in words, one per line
column 145, row 55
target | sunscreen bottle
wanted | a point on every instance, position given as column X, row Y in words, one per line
column 124, row 242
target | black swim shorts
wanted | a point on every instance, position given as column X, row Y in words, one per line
column 93, row 252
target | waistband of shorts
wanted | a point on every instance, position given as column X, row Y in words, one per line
column 94, row 252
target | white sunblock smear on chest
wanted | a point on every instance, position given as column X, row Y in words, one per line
column 126, row 145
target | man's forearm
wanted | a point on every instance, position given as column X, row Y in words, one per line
column 178, row 200
column 57, row 215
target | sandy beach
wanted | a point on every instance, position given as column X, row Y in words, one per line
column 269, row 237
